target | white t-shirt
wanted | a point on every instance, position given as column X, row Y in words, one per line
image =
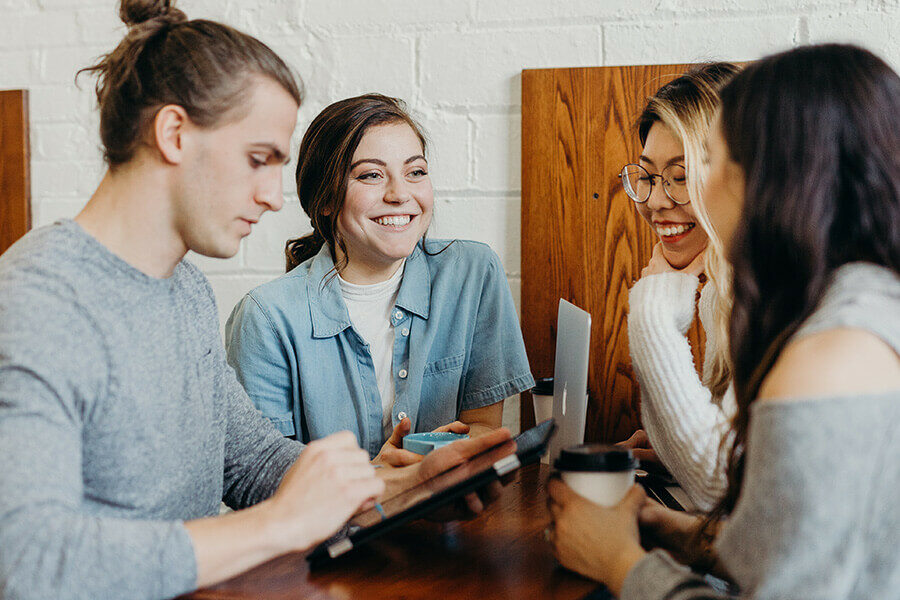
column 370, row 313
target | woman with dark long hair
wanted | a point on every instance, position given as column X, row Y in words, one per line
column 374, row 328
column 804, row 186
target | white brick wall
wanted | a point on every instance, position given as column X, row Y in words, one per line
column 456, row 63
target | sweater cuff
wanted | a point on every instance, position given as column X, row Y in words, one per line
column 657, row 575
column 666, row 293
column 178, row 563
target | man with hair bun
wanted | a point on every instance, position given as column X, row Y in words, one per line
column 122, row 428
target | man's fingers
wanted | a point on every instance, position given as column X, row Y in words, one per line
column 492, row 491
column 402, row 458
column 474, row 503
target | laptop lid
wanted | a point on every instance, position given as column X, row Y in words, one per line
column 573, row 344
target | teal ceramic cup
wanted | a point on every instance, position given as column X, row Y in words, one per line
column 423, row 443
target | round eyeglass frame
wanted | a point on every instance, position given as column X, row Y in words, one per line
column 666, row 184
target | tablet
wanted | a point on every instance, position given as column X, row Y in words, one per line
column 428, row 496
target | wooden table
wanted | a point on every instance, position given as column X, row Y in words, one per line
column 501, row 554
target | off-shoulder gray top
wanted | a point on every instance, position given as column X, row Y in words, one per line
column 819, row 515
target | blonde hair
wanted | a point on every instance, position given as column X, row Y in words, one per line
column 687, row 106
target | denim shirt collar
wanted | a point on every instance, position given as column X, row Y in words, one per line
column 327, row 309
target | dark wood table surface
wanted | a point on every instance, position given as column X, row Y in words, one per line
column 500, row 554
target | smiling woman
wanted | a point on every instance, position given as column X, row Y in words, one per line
column 684, row 414
column 420, row 332
column 388, row 205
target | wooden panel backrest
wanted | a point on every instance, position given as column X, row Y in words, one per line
column 582, row 240
column 15, row 189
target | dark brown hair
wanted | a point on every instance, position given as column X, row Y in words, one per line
column 324, row 163
column 816, row 133
column 200, row 65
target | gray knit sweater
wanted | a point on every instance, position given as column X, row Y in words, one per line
column 119, row 420
column 818, row 515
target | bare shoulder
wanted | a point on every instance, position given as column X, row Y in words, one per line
column 833, row 363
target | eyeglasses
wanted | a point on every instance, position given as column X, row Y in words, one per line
column 638, row 183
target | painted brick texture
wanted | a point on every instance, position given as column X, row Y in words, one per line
column 457, row 64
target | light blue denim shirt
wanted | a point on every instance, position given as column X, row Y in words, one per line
column 457, row 346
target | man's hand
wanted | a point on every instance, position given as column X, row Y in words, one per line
column 330, row 481
column 451, row 455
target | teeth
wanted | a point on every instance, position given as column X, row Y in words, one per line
column 674, row 229
column 398, row 221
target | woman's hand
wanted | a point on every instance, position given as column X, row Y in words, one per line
column 675, row 532
column 392, row 453
column 330, row 481
column 639, row 444
column 595, row 541
column 658, row 264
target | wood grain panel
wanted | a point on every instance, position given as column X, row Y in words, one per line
column 582, row 240
column 15, row 189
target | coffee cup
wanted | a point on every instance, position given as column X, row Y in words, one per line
column 542, row 395
column 542, row 398
column 599, row 472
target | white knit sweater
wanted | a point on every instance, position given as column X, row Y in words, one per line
column 684, row 422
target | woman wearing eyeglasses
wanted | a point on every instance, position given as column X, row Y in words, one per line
column 804, row 187
column 684, row 416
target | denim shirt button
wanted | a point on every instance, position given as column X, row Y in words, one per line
column 401, row 415
column 399, row 314
column 404, row 332
column 402, row 373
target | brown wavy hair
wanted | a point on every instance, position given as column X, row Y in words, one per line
column 200, row 65
column 325, row 156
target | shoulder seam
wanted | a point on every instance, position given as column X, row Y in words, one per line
column 264, row 312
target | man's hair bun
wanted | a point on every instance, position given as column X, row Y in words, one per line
column 135, row 12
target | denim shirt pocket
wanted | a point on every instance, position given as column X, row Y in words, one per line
column 450, row 363
column 441, row 382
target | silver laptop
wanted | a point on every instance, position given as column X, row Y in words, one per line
column 570, row 372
